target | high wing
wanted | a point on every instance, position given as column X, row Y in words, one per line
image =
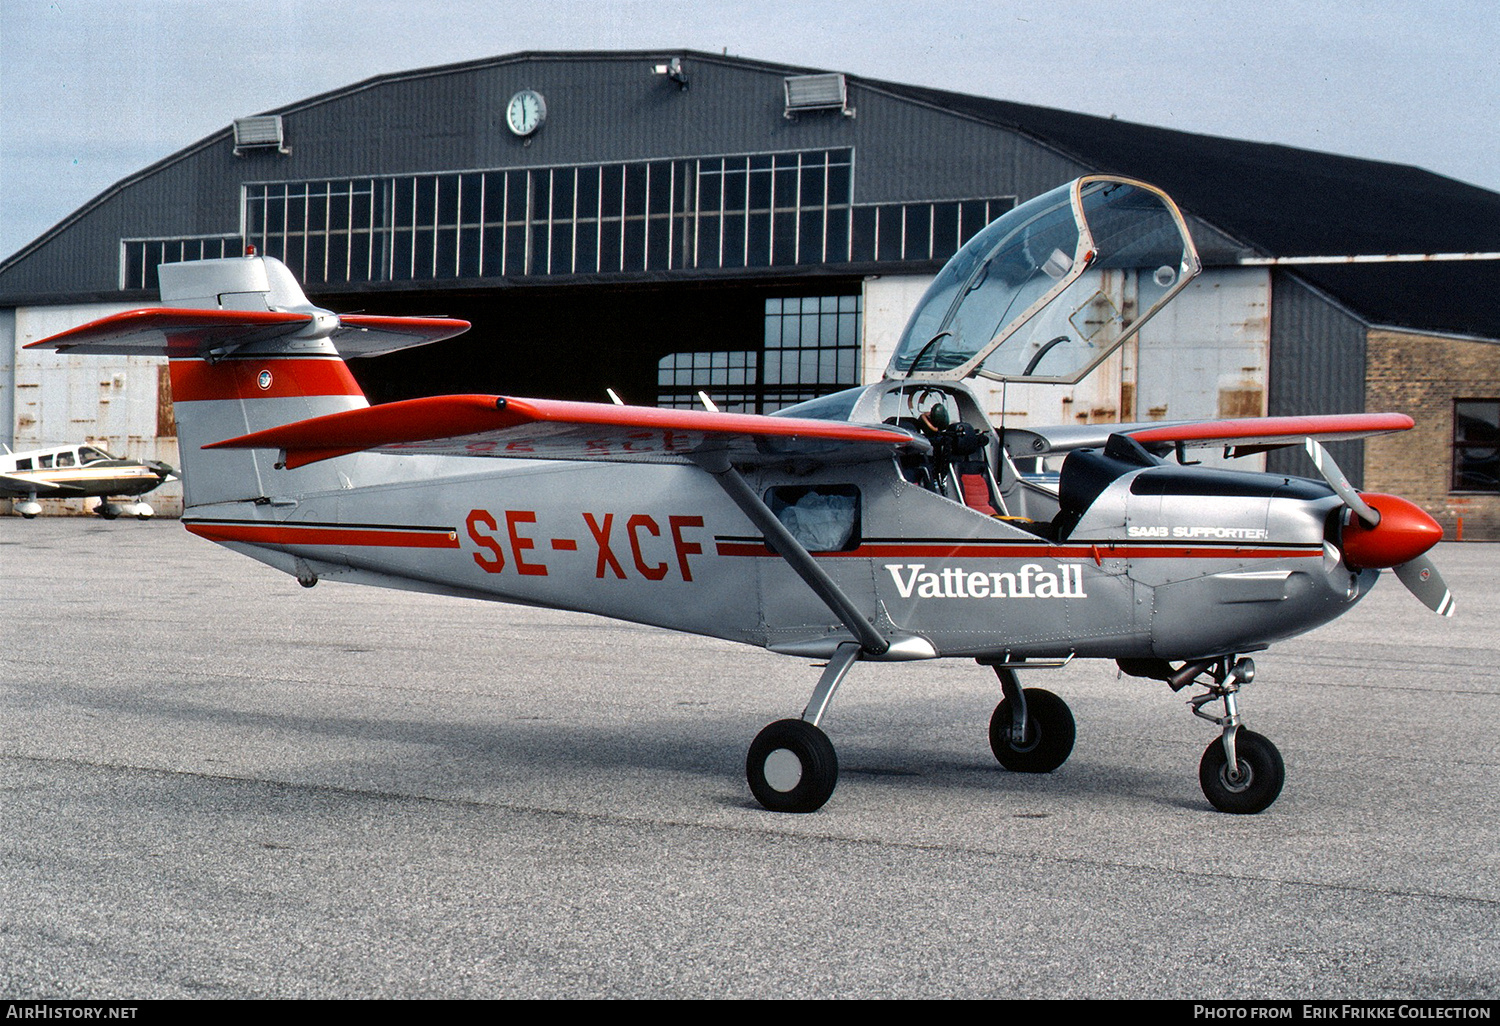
column 181, row 333
column 1272, row 431
column 1244, row 435
column 501, row 426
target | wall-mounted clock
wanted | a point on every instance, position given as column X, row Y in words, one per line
column 525, row 112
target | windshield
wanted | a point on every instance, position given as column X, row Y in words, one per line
column 1051, row 288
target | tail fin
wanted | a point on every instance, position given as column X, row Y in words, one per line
column 248, row 352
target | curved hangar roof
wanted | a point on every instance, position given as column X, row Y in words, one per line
column 1246, row 199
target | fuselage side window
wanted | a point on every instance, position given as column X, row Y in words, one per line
column 823, row 518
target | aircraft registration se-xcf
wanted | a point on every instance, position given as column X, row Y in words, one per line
column 886, row 522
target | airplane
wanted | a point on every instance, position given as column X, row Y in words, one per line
column 78, row 472
column 886, row 522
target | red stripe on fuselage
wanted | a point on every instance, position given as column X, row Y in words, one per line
column 268, row 378
column 1103, row 550
column 282, row 534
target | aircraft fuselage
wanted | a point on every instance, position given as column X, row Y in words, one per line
column 1141, row 575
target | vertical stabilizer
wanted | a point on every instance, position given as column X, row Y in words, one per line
column 249, row 352
column 252, row 385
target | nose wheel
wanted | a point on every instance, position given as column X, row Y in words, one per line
column 1241, row 772
column 1254, row 782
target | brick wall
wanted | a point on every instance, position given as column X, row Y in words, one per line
column 1420, row 376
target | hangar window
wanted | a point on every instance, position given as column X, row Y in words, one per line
column 758, row 210
column 1476, row 445
column 811, row 349
column 772, row 209
column 728, row 378
column 792, row 209
column 139, row 258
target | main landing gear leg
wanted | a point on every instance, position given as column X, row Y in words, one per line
column 792, row 766
column 1032, row 730
column 1241, row 771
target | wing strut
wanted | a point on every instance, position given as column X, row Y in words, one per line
column 871, row 641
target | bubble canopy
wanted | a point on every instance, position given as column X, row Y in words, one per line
column 1048, row 290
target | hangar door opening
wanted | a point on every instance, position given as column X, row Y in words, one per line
column 750, row 349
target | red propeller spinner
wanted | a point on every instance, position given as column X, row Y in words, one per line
column 1403, row 533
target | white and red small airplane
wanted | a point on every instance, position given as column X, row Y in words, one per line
column 886, row 522
column 79, row 472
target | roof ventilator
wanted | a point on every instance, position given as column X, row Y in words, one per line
column 817, row 92
column 264, row 131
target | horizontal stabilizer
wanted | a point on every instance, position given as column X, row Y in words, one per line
column 369, row 335
column 486, row 425
column 1336, row 427
column 170, row 332
column 184, row 333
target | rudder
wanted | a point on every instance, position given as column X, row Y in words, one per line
column 247, row 352
column 262, row 383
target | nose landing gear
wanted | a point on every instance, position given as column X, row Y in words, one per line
column 1241, row 772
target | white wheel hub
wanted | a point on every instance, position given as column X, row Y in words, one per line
column 783, row 770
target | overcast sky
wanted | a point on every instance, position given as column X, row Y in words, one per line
column 93, row 90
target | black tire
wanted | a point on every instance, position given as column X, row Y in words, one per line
column 106, row 511
column 1262, row 773
column 792, row 767
column 1050, row 733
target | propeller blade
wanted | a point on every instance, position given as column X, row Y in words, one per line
column 1422, row 579
column 1340, row 484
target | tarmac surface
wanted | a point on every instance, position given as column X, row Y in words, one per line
column 214, row 783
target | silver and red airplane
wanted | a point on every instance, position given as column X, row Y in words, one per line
column 79, row 472
column 886, row 522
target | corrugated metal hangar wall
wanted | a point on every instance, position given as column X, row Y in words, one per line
column 656, row 224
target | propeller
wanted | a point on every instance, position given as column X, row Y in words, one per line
column 165, row 471
column 1387, row 532
column 1340, row 484
column 1423, row 580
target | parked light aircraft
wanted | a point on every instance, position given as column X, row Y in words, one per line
column 79, row 472
column 886, row 522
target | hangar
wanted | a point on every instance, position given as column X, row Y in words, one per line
column 665, row 223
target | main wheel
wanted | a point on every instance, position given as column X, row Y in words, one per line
column 1258, row 780
column 792, row 767
column 108, row 511
column 1049, row 736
